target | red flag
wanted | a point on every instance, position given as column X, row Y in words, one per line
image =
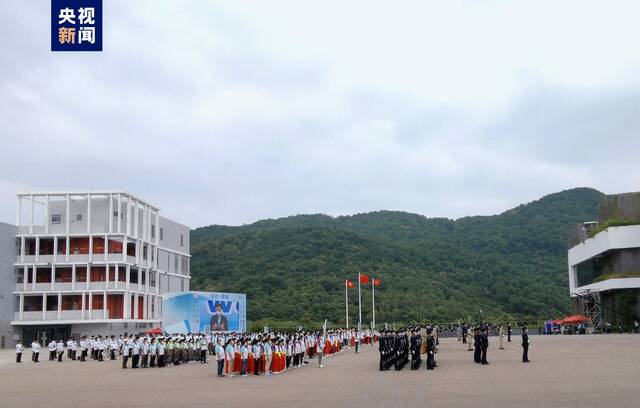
column 364, row 279
column 350, row 284
column 376, row 282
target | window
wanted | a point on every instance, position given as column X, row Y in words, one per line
column 56, row 218
column 175, row 263
column 181, row 285
column 161, row 234
column 79, row 217
column 181, row 240
column 153, row 231
column 185, row 265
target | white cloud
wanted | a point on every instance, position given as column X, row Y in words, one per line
column 228, row 112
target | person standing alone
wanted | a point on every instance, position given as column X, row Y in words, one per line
column 19, row 350
column 484, row 341
column 525, row 345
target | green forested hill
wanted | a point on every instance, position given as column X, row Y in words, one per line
column 293, row 269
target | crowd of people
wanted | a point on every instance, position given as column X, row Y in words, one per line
column 408, row 346
column 235, row 353
column 270, row 353
column 399, row 348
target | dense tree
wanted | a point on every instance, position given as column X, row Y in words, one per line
column 293, row 269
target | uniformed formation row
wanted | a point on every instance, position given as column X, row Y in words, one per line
column 396, row 347
column 235, row 353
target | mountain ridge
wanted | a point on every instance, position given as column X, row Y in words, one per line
column 512, row 263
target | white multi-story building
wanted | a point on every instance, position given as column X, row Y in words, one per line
column 94, row 262
column 604, row 262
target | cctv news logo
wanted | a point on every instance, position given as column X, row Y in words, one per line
column 76, row 25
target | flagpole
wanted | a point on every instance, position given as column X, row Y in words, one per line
column 359, row 304
column 373, row 301
column 346, row 302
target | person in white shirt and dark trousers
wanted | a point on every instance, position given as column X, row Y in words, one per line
column 19, row 350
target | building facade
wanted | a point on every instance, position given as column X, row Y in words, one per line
column 604, row 262
column 93, row 263
column 7, row 283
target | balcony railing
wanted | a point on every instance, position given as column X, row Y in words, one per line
column 82, row 286
column 52, row 315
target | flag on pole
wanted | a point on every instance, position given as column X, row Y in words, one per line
column 350, row 284
column 376, row 282
column 364, row 279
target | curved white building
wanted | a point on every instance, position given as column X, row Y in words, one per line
column 604, row 261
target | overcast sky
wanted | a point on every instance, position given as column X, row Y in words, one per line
column 234, row 111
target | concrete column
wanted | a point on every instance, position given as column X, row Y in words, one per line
column 136, row 220
column 90, row 248
column 84, row 305
column 104, row 305
column 53, row 276
column 157, row 228
column 59, row 305
column 106, row 247
column 144, row 306
column 119, row 205
column 106, row 274
column 128, row 216
column 66, row 219
column 116, row 279
column 90, row 308
column 144, row 223
column 110, row 215
column 127, row 277
column 55, row 249
column 124, row 248
column 124, row 305
column 88, row 213
column 73, row 277
column 26, row 278
column 37, row 249
column 31, row 219
column 23, row 242
column 88, row 276
column 44, row 306
column 46, row 214
column 135, row 305
column 21, row 307
column 33, row 278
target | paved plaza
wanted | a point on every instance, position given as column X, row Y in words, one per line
column 566, row 371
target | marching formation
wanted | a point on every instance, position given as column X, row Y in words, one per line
column 273, row 353
column 235, row 354
column 399, row 348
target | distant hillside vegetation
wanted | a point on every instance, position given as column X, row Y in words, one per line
column 293, row 269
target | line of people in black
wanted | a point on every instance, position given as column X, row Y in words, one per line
column 406, row 346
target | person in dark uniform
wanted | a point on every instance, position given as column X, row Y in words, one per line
column 416, row 342
column 509, row 333
column 525, row 345
column 398, row 349
column 465, row 330
column 382, row 347
column 431, row 346
column 477, row 347
column 484, row 341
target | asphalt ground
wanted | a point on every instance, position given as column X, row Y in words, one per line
column 566, row 371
